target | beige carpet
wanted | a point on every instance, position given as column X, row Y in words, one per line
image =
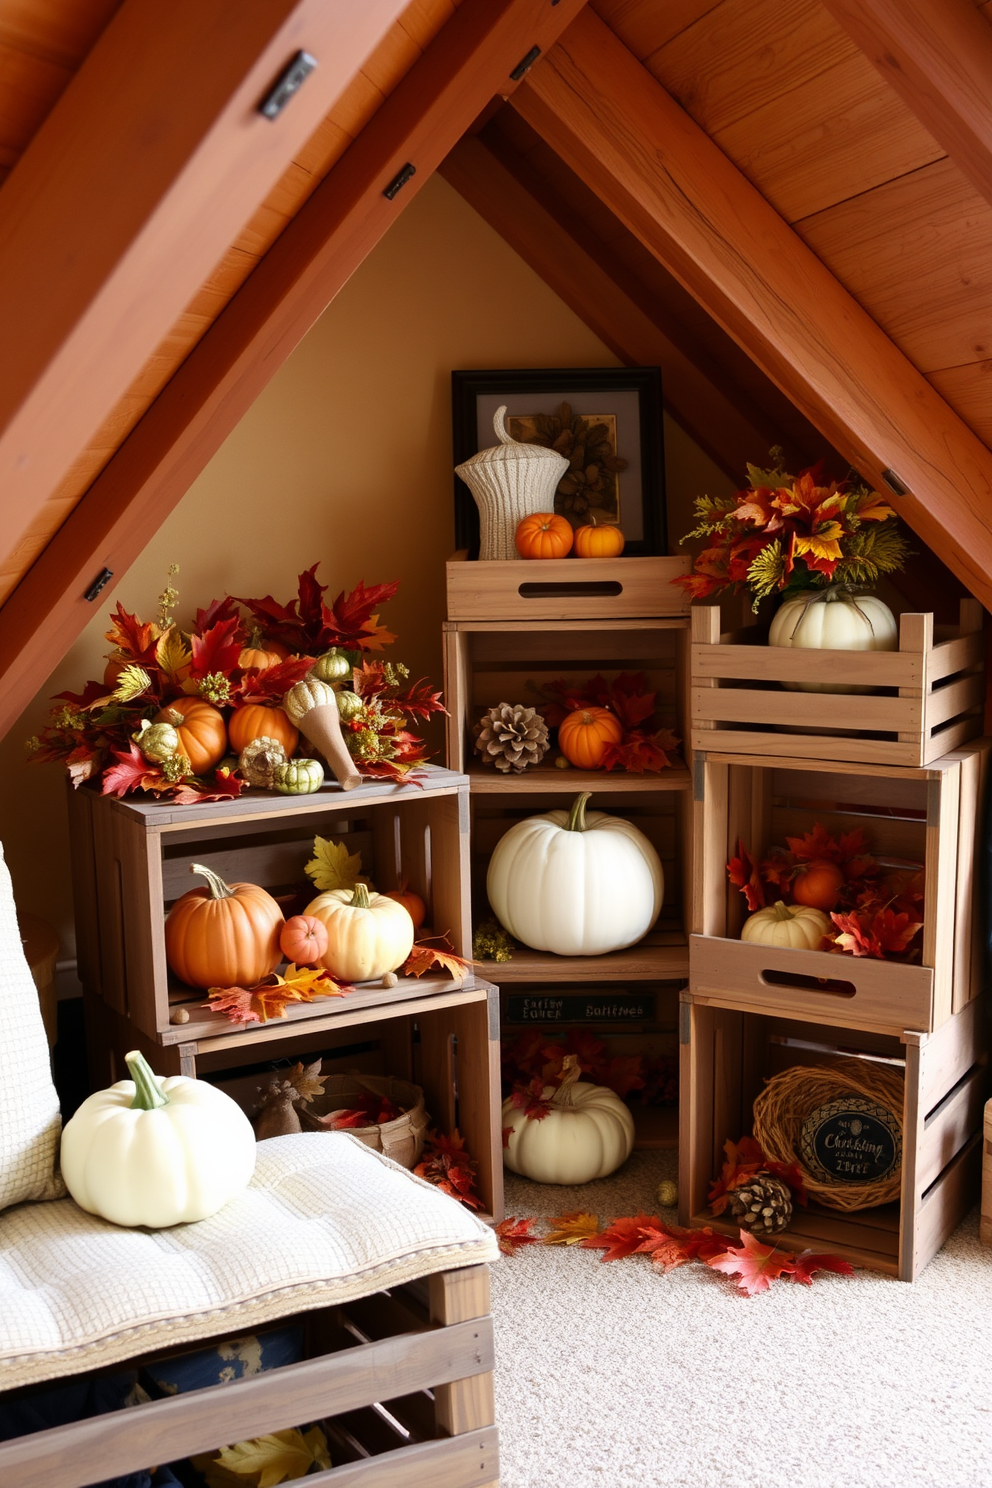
column 614, row 1376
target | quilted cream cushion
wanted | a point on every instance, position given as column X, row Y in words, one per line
column 324, row 1220
column 29, row 1108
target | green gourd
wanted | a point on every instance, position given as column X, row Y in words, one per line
column 331, row 667
column 349, row 705
column 298, row 777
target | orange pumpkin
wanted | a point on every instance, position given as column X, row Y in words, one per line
column 261, row 657
column 255, row 721
column 202, row 735
column 818, row 885
column 544, row 535
column 223, row 935
column 584, row 736
column 411, row 902
column 597, row 541
column 303, row 939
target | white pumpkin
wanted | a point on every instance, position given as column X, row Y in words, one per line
column 367, row 934
column 587, row 1133
column 157, row 1152
column 834, row 620
column 574, row 884
column 795, row 927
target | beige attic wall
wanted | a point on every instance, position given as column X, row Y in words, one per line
column 345, row 457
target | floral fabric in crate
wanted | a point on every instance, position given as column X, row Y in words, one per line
column 324, row 1220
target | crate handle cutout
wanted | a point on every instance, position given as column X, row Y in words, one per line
column 579, row 589
column 832, row 986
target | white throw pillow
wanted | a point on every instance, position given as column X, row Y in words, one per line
column 30, row 1123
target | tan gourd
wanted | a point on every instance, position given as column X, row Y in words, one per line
column 313, row 707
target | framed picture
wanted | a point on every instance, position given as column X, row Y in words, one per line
column 606, row 420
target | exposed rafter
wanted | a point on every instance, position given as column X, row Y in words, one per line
column 937, row 55
column 148, row 166
column 613, row 124
column 469, row 61
column 621, row 319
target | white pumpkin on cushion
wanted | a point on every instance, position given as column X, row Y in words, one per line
column 588, row 1132
column 838, row 619
column 576, row 884
column 157, row 1152
column 794, row 927
column 368, row 934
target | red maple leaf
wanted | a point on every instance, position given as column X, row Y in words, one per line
column 216, row 611
column 623, row 1237
column 744, row 1159
column 639, row 752
column 425, row 956
column 271, row 684
column 623, row 1074
column 744, row 875
column 136, row 640
column 353, row 617
column 217, row 649
column 670, row 1246
column 507, row 1133
column 93, row 692
column 756, row 1265
column 627, row 696
column 806, row 1264
column 132, row 772
column 513, row 1233
column 226, row 786
column 447, row 1165
column 530, row 1099
column 420, row 700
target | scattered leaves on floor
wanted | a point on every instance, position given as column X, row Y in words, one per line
column 569, row 1229
column 756, row 1265
column 512, row 1233
column 623, row 1237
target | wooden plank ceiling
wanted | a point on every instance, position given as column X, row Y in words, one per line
column 884, row 183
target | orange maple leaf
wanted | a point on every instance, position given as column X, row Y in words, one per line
column 272, row 996
column 755, row 1264
column 623, row 1237
column 512, row 1233
column 572, row 1227
column 425, row 956
column 670, row 1245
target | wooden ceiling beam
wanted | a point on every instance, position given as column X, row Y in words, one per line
column 130, row 193
column 616, row 127
column 469, row 61
column 618, row 315
column 937, row 55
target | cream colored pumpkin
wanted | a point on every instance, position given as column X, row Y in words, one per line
column 367, row 934
column 834, row 620
column 794, row 927
column 588, row 1133
column 574, row 884
column 157, row 1152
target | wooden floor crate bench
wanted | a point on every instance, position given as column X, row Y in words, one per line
column 925, row 699
column 730, row 1050
column 926, row 816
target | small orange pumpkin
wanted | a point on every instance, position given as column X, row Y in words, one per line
column 202, row 734
column 818, row 884
column 584, row 736
column 595, row 541
column 260, row 657
column 303, row 939
column 411, row 902
column 255, row 721
column 544, row 535
column 223, row 935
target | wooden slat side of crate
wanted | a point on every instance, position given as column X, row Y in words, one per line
column 918, row 817
column 927, row 698
column 565, row 588
column 727, row 1054
column 141, row 865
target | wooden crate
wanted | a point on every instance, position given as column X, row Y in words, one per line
column 985, row 1229
column 927, row 698
column 565, row 588
column 928, row 816
column 400, row 1382
column 131, row 862
column 728, row 1051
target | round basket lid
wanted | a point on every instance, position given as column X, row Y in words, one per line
column 512, row 449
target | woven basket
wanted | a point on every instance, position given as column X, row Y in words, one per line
column 790, row 1097
column 511, row 481
column 401, row 1139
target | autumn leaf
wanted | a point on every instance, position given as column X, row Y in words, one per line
column 217, row 649
column 743, row 1160
column 132, row 681
column 744, row 874
column 756, row 1265
column 623, row 1237
column 274, row 1458
column 447, row 1165
column 806, row 1264
column 128, row 634
column 369, row 1109
column 425, row 956
column 420, row 700
column 132, row 772
column 670, row 1246
column 530, row 1099
column 226, row 786
column 571, row 1228
column 271, row 684
column 333, row 866
column 640, row 752
column 217, row 610
column 513, row 1233
column 173, row 655
column 353, row 617
column 307, row 1080
column 271, row 997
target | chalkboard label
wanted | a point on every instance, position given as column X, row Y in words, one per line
column 853, row 1140
column 615, row 1008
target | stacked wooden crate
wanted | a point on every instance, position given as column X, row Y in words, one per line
column 903, row 764
column 131, row 860
column 514, row 627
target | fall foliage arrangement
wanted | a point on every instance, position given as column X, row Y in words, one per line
column 201, row 713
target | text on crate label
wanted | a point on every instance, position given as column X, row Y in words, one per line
column 612, row 1008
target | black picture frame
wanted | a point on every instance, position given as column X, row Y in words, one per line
column 633, row 393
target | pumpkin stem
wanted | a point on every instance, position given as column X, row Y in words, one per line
column 782, row 910
column 577, row 816
column 148, row 1093
column 571, row 1071
column 173, row 716
column 218, row 888
column 360, row 898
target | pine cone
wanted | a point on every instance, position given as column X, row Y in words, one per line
column 763, row 1206
column 511, row 737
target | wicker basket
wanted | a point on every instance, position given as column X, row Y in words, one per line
column 401, row 1139
column 511, row 481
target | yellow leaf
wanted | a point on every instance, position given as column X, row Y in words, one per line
column 333, row 866
column 570, row 1228
column 131, row 683
column 272, row 1459
column 172, row 654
